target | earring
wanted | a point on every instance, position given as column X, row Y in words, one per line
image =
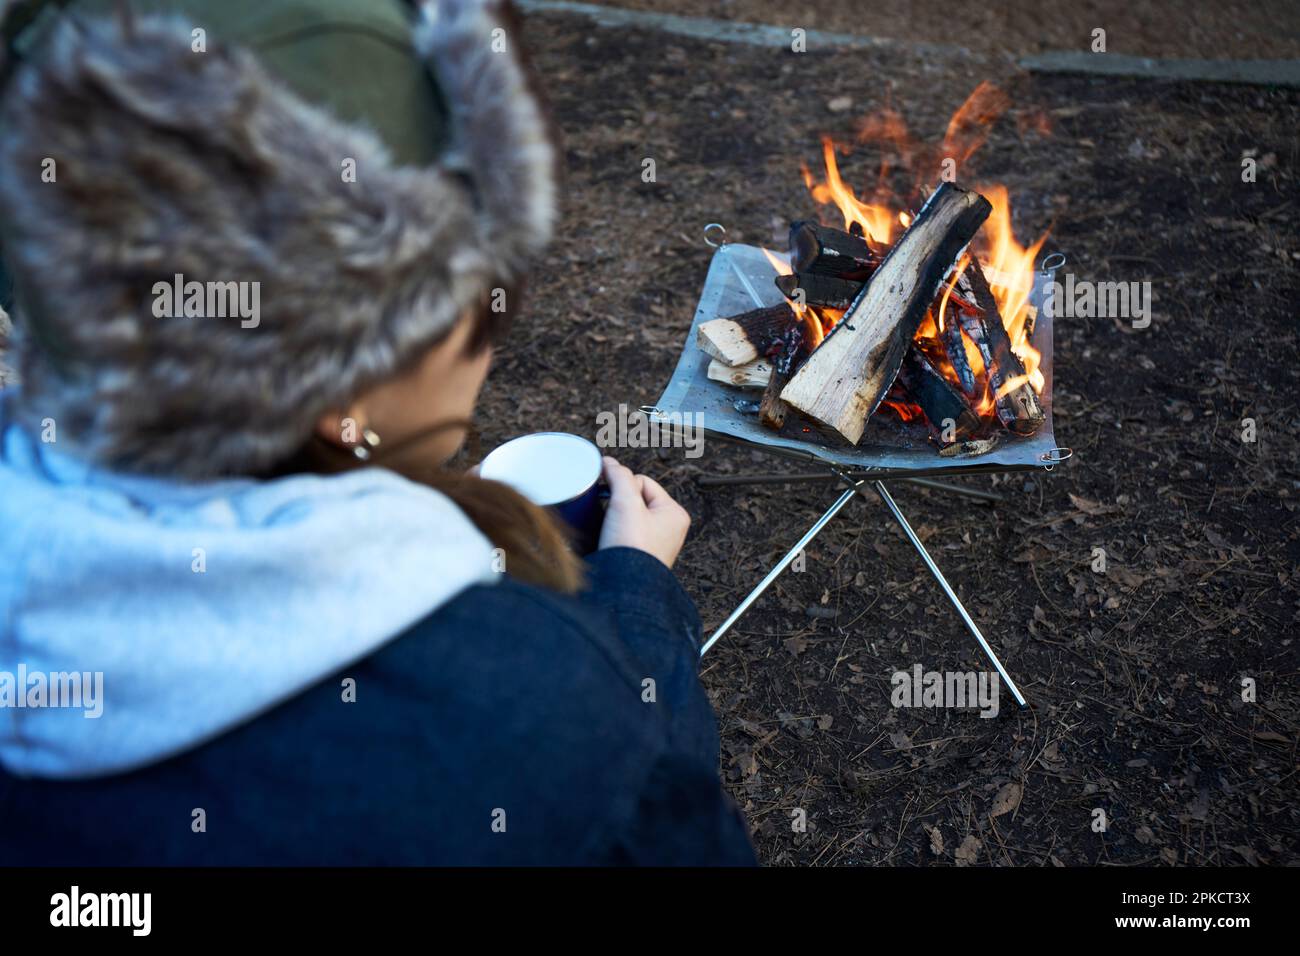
column 369, row 442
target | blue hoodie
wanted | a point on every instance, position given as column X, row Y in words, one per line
column 182, row 611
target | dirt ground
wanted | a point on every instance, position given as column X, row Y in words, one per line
column 1198, row 29
column 1135, row 675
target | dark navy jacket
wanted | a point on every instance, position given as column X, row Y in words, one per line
column 511, row 726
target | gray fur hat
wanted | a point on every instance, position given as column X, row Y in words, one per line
column 175, row 167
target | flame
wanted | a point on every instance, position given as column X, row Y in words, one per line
column 1008, row 265
column 876, row 222
column 905, row 410
column 1013, row 383
column 814, row 322
column 781, row 268
column 970, row 125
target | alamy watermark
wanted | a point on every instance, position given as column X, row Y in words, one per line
column 75, row 908
column 951, row 689
column 208, row 300
column 636, row 429
column 1115, row 300
column 78, row 690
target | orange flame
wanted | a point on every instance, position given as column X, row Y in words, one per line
column 875, row 221
column 905, row 411
column 970, row 125
column 781, row 268
column 813, row 320
column 1009, row 267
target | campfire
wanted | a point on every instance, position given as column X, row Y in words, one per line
column 913, row 305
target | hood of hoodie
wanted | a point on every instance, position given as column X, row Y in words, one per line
column 178, row 611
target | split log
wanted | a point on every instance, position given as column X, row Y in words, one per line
column 955, row 348
column 750, row 375
column 787, row 355
column 830, row 252
column 771, row 410
column 825, row 291
column 951, row 418
column 1018, row 409
column 846, row 377
column 743, row 338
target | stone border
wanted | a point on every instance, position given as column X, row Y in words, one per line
column 1256, row 72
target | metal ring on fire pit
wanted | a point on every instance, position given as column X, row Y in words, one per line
column 1053, row 262
column 1055, row 456
column 722, row 233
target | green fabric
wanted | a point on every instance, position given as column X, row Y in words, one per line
column 354, row 58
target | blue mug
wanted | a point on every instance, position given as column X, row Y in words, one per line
column 560, row 472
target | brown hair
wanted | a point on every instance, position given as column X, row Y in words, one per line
column 535, row 543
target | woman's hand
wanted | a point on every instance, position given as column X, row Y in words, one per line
column 642, row 515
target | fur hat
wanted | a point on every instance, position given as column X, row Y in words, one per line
column 174, row 168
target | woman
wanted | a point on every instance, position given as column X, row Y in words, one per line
column 226, row 511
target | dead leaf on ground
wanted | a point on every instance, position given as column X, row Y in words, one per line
column 936, row 840
column 968, row 853
column 1008, row 799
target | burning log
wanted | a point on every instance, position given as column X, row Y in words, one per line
column 743, row 338
column 955, row 348
column 830, row 252
column 1017, row 406
column 787, row 354
column 950, row 417
column 1031, row 319
column 846, row 377
column 754, row 374
column 819, row 290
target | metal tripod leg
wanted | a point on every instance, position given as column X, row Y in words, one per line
column 784, row 563
column 947, row 589
column 916, row 543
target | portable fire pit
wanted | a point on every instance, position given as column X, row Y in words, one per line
column 872, row 363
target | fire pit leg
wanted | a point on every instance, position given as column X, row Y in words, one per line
column 849, row 493
column 947, row 589
column 781, row 566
